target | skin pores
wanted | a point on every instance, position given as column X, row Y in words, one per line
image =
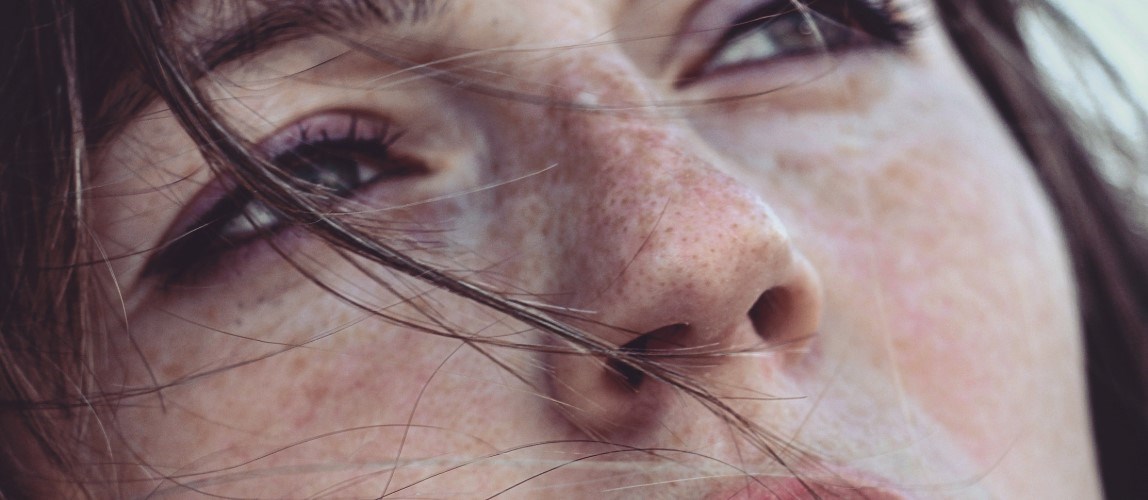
column 867, row 239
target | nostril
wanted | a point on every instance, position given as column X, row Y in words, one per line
column 773, row 314
column 641, row 347
column 629, row 373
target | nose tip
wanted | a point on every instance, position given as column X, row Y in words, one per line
column 626, row 391
column 710, row 274
column 782, row 317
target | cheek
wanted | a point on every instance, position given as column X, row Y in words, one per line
column 944, row 271
column 302, row 378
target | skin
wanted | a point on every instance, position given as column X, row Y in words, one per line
column 923, row 336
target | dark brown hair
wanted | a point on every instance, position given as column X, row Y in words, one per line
column 1108, row 251
column 63, row 62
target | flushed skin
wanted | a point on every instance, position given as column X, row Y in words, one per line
column 922, row 337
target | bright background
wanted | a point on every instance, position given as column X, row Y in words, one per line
column 1120, row 29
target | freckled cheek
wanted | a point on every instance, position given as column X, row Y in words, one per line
column 346, row 373
column 932, row 241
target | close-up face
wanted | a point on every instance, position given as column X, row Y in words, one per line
column 809, row 217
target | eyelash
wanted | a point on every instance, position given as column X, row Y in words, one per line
column 335, row 155
column 837, row 26
column 237, row 218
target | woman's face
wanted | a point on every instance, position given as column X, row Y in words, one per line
column 833, row 205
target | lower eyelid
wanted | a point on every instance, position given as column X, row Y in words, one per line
column 226, row 265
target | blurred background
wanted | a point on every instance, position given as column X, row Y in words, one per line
column 1120, row 30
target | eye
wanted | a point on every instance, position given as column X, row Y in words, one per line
column 320, row 161
column 777, row 30
column 335, row 155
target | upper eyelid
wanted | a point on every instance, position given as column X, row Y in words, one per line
column 709, row 19
column 702, row 24
column 285, row 138
column 713, row 17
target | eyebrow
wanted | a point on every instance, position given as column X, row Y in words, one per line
column 285, row 20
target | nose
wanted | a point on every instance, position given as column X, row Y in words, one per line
column 674, row 263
